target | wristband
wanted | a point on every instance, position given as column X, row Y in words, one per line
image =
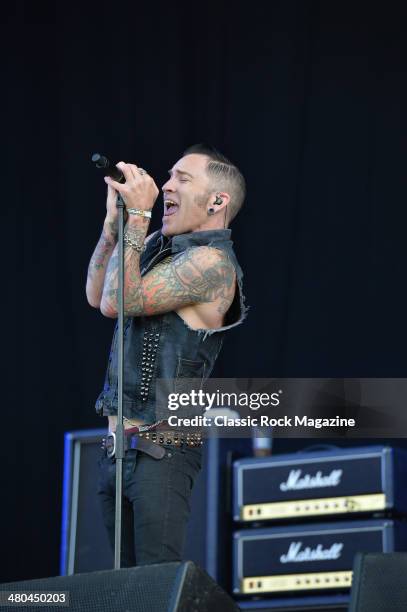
column 139, row 212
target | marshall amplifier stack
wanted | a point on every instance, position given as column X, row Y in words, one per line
column 301, row 518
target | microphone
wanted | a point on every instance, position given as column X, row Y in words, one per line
column 103, row 163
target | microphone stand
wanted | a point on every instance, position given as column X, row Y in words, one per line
column 103, row 163
column 119, row 452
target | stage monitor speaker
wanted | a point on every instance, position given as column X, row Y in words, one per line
column 165, row 587
column 379, row 583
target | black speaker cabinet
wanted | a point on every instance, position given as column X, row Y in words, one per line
column 85, row 546
column 379, row 583
column 165, row 587
column 84, row 542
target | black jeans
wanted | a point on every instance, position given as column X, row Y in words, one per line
column 156, row 494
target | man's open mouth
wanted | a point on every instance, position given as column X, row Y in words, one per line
column 170, row 208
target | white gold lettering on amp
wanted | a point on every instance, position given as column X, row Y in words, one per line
column 295, row 482
column 296, row 555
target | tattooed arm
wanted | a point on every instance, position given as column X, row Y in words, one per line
column 198, row 275
column 138, row 191
column 103, row 251
column 136, row 229
column 99, row 260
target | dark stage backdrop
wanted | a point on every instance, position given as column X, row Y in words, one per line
column 308, row 98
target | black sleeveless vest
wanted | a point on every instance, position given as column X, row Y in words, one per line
column 164, row 346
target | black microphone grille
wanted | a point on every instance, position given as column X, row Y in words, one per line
column 100, row 160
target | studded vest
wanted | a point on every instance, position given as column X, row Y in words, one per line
column 164, row 346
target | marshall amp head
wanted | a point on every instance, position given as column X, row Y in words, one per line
column 308, row 558
column 342, row 481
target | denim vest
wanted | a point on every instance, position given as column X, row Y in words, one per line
column 164, row 346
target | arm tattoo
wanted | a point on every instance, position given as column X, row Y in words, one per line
column 103, row 249
column 132, row 278
column 114, row 229
column 198, row 275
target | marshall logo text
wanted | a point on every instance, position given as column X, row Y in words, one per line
column 295, row 482
column 296, row 555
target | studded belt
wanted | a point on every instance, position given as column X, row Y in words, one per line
column 152, row 442
column 174, row 438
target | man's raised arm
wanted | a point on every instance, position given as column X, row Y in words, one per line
column 103, row 251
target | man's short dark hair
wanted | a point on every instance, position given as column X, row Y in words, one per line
column 224, row 176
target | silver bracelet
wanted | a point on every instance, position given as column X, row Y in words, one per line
column 134, row 244
column 139, row 212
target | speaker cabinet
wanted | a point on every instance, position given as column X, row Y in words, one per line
column 84, row 542
column 165, row 587
column 379, row 583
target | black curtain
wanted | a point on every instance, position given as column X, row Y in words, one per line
column 309, row 98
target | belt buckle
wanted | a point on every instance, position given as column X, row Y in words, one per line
column 110, row 444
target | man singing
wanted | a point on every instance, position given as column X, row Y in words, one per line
column 182, row 292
